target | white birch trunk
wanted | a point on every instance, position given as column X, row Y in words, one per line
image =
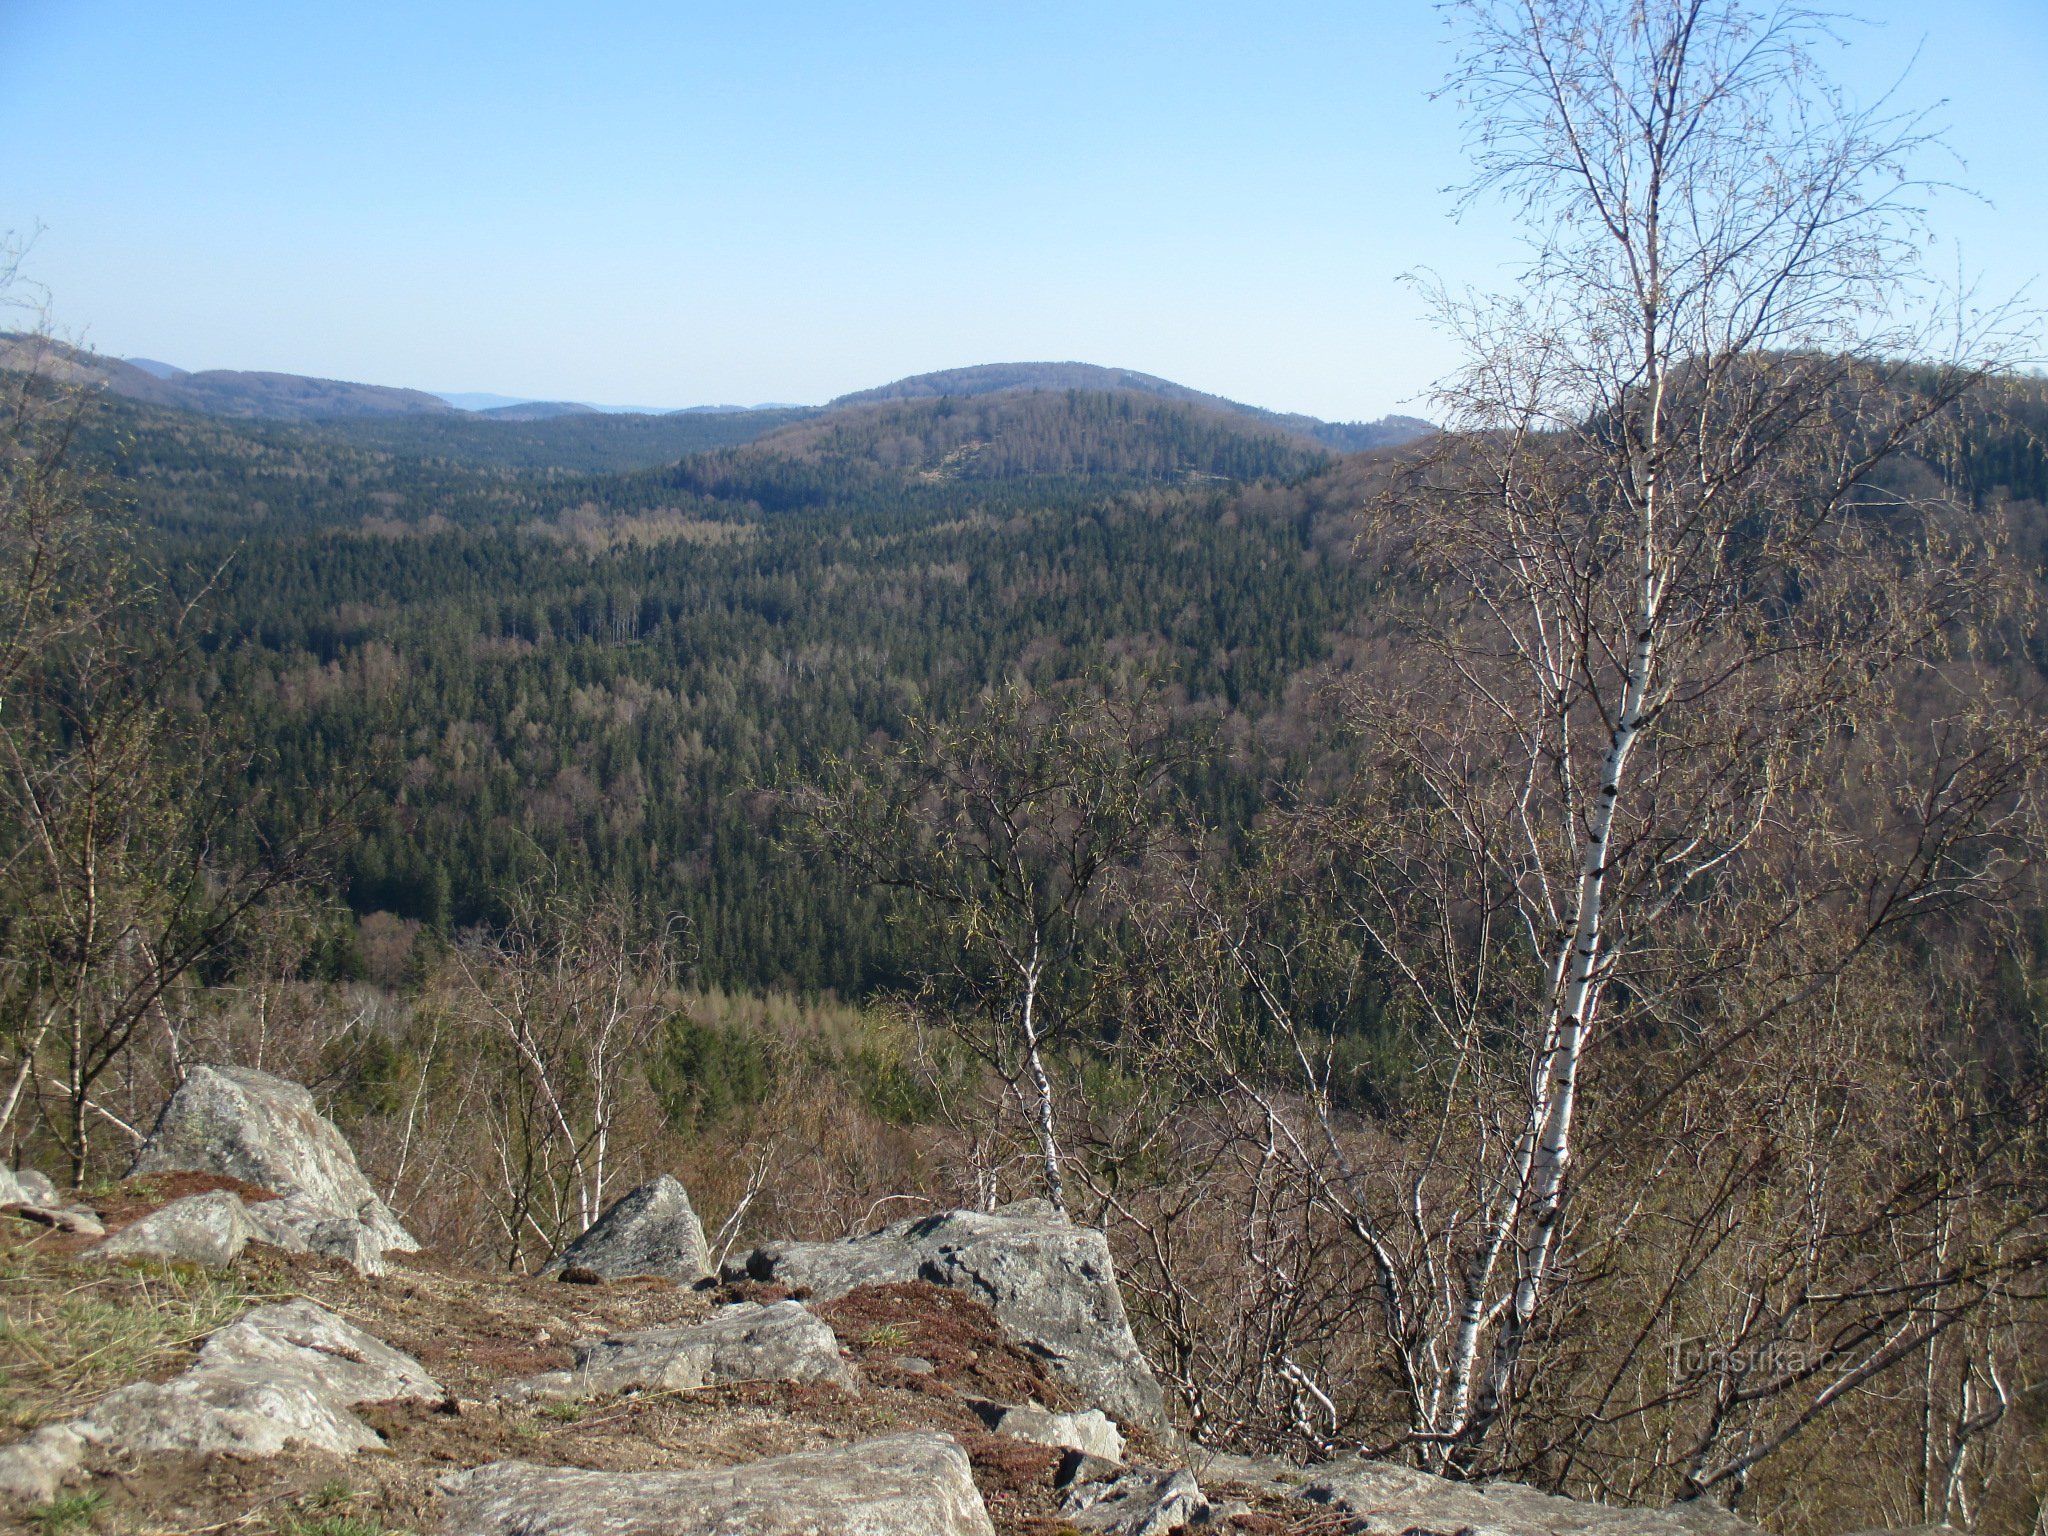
column 1041, row 1086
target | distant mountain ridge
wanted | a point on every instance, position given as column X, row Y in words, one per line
column 217, row 391
column 294, row 397
column 998, row 378
column 536, row 410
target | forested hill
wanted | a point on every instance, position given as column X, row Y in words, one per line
column 994, row 378
column 1025, row 433
column 1090, row 432
column 581, row 442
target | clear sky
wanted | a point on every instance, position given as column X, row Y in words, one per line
column 682, row 203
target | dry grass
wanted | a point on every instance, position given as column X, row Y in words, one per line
column 72, row 1331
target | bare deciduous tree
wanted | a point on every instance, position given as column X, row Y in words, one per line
column 564, row 1002
column 135, row 838
column 1005, row 830
column 1683, row 720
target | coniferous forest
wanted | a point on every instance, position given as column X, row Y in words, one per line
column 608, row 675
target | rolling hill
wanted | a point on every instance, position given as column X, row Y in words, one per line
column 1023, row 432
column 999, row 378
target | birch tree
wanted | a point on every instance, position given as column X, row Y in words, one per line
column 1683, row 718
column 564, row 1003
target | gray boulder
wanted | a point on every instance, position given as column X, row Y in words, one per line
column 1147, row 1502
column 39, row 1187
column 304, row 1339
column 782, row 1341
column 239, row 1411
column 32, row 1470
column 904, row 1485
column 24, row 1186
column 264, row 1130
column 1050, row 1283
column 275, row 1377
column 210, row 1229
column 651, row 1231
column 1385, row 1500
column 1091, row 1432
column 297, row 1230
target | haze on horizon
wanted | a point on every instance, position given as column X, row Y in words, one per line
column 689, row 204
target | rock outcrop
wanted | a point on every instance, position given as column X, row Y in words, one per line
column 1050, row 1283
column 24, row 1186
column 1384, row 1500
column 1140, row 1502
column 782, row 1341
column 651, row 1231
column 277, row 1376
column 210, row 1229
column 1090, row 1433
column 905, row 1485
column 264, row 1130
column 37, row 1186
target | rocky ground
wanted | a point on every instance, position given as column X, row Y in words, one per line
column 475, row 1332
column 240, row 1337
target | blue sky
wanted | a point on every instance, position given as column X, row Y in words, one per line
column 688, row 203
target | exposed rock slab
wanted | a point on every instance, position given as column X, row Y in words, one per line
column 266, row 1131
column 1383, row 1500
column 277, row 1376
column 781, row 1341
column 239, row 1411
column 210, row 1229
column 904, row 1485
column 1141, row 1502
column 298, row 1230
column 651, row 1231
column 1091, row 1432
column 303, row 1338
column 1050, row 1283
